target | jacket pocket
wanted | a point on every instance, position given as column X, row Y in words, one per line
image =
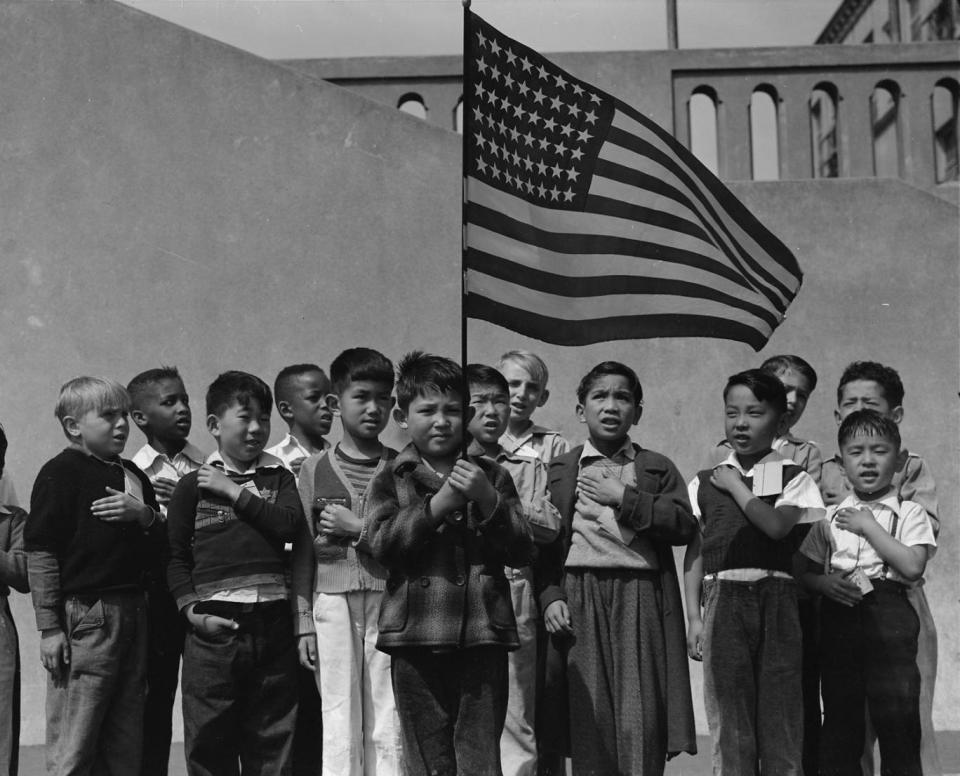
column 394, row 606
column 496, row 601
column 81, row 617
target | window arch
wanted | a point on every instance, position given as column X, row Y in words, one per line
column 764, row 134
column 413, row 104
column 946, row 95
column 824, row 131
column 704, row 137
column 885, row 129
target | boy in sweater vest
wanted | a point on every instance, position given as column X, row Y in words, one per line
column 227, row 525
column 749, row 635
column 338, row 585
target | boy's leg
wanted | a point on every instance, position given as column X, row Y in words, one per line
column 518, row 745
column 892, row 678
column 165, row 634
column 269, row 706
column 427, row 694
column 213, row 668
column 481, row 679
column 339, row 678
column 779, row 686
column 382, row 752
column 76, row 708
column 842, row 687
column 730, row 634
column 810, row 680
column 9, row 691
column 927, row 664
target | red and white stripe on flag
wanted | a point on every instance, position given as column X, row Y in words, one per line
column 587, row 222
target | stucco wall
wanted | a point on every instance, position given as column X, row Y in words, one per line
column 168, row 199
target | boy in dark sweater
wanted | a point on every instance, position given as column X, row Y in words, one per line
column 444, row 527
column 93, row 529
column 228, row 523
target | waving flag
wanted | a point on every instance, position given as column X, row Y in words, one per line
column 587, row 222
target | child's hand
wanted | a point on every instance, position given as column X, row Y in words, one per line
column 556, row 617
column 602, row 488
column 163, row 487
column 337, row 520
column 446, row 500
column 120, row 507
column 307, row 649
column 695, row 639
column 55, row 653
column 588, row 508
column 211, row 478
column 855, row 520
column 725, row 478
column 839, row 589
column 209, row 623
column 469, row 479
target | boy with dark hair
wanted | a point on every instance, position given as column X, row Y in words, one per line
column 870, row 385
column 617, row 684
column 738, row 569
column 301, row 392
column 861, row 560
column 444, row 527
column 490, row 403
column 161, row 409
column 527, row 375
column 92, row 531
column 227, row 524
column 338, row 585
column 13, row 573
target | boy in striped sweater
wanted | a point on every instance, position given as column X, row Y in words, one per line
column 338, row 585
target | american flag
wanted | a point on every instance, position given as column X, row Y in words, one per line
column 587, row 222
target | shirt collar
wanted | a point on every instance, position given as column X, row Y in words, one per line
column 890, row 501
column 731, row 460
column 290, row 444
column 5, row 510
column 148, row 455
column 627, row 449
column 265, row 461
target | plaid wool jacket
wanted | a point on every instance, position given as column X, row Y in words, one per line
column 446, row 588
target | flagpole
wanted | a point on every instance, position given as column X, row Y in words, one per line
column 465, row 117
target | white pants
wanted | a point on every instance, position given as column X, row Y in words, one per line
column 518, row 744
column 361, row 730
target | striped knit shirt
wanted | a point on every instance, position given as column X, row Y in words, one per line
column 358, row 471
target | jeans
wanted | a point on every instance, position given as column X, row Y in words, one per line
column 240, row 694
column 452, row 706
column 166, row 631
column 95, row 714
column 751, row 676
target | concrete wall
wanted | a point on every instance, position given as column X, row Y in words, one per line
column 168, row 199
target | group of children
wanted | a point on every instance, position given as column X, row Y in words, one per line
column 484, row 601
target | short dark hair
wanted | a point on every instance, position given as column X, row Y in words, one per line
column 868, row 423
column 481, row 374
column 419, row 372
column 886, row 377
column 777, row 364
column 3, row 449
column 610, row 368
column 139, row 384
column 360, row 364
column 237, row 388
column 763, row 385
column 286, row 376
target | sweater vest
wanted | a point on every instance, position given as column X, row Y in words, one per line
column 731, row 541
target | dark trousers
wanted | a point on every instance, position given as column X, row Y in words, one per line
column 868, row 655
column 308, row 736
column 240, row 694
column 810, row 681
column 166, row 629
column 452, row 706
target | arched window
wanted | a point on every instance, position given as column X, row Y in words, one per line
column 703, row 127
column 823, row 131
column 885, row 128
column 458, row 117
column 764, row 137
column 412, row 103
column 946, row 95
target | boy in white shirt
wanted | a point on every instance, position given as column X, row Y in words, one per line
column 301, row 392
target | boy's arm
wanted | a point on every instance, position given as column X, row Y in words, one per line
column 281, row 518
column 398, row 534
column 918, row 486
column 303, row 563
column 541, row 514
column 775, row 522
column 181, row 517
column 813, row 464
column 692, row 593
column 908, row 561
column 665, row 513
column 13, row 561
column 507, row 526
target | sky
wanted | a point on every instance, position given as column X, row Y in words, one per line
column 306, row 29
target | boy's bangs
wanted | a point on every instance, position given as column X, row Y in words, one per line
column 91, row 394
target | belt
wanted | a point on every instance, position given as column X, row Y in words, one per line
column 746, row 575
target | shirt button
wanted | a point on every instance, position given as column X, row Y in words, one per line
column 460, row 580
column 220, row 516
column 424, row 582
